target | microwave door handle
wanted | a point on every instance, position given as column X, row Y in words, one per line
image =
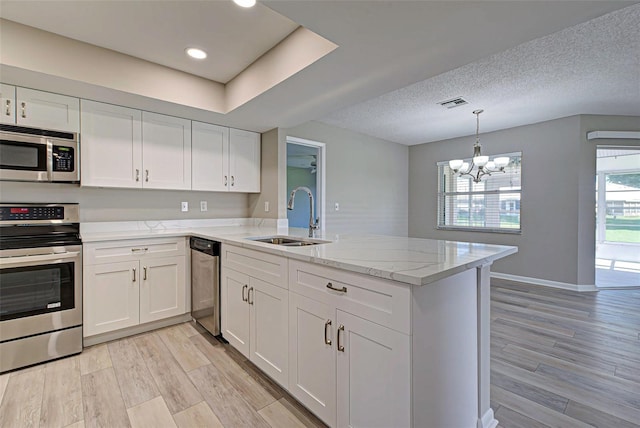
column 49, row 160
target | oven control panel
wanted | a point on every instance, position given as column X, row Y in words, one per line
column 19, row 213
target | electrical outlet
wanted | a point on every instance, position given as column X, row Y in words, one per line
column 337, row 206
column 266, row 206
column 185, row 207
column 203, row 205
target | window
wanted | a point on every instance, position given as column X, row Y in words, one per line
column 493, row 205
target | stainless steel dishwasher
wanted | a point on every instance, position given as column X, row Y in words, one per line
column 205, row 283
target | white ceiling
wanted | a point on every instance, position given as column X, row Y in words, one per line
column 395, row 58
column 160, row 31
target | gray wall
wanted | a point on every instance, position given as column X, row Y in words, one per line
column 101, row 204
column 558, row 195
column 367, row 176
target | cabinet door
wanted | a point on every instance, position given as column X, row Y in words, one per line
column 209, row 157
column 110, row 297
column 244, row 161
column 312, row 359
column 111, row 152
column 235, row 310
column 162, row 289
column 7, row 104
column 269, row 329
column 373, row 377
column 166, row 152
column 46, row 110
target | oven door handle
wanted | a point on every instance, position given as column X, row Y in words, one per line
column 31, row 260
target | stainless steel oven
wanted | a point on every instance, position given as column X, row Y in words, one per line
column 31, row 154
column 40, row 283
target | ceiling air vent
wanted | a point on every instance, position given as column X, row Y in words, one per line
column 455, row 102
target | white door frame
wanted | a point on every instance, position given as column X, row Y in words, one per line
column 320, row 174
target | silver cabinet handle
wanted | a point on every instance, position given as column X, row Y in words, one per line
column 146, row 176
column 138, row 250
column 342, row 290
column 327, row 341
column 340, row 347
column 24, row 110
column 244, row 299
column 250, row 296
column 225, row 181
column 233, row 181
column 134, row 274
column 8, row 111
column 137, row 174
column 144, row 273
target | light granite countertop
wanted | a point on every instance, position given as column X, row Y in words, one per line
column 412, row 261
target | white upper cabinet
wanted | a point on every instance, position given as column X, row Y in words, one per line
column 209, row 157
column 225, row 159
column 166, row 150
column 7, row 103
column 123, row 147
column 111, row 141
column 244, row 161
column 46, row 110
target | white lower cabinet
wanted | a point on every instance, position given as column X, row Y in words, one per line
column 373, row 374
column 255, row 312
column 312, row 356
column 111, row 297
column 347, row 364
column 339, row 342
column 127, row 283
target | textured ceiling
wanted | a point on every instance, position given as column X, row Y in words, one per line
column 383, row 46
column 591, row 68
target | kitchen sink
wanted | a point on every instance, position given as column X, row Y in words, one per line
column 288, row 241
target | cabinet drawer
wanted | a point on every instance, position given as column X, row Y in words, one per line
column 263, row 266
column 138, row 249
column 383, row 302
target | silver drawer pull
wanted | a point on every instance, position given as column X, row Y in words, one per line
column 250, row 296
column 144, row 270
column 24, row 110
column 244, row 299
column 137, row 174
column 340, row 347
column 8, row 111
column 134, row 274
column 331, row 287
column 139, row 250
column 327, row 341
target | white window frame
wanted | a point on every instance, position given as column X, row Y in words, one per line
column 443, row 167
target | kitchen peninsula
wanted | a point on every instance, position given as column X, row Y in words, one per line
column 362, row 330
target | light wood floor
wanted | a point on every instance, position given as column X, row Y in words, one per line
column 173, row 377
column 559, row 359
column 564, row 359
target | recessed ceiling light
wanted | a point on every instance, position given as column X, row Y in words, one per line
column 245, row 3
column 196, row 53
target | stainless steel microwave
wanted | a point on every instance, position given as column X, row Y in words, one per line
column 31, row 154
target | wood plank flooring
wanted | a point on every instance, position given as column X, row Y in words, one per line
column 173, row 377
column 558, row 359
column 564, row 359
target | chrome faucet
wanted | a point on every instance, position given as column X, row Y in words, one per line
column 313, row 224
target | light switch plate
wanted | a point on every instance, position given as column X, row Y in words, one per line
column 266, row 206
column 203, row 205
column 185, row 207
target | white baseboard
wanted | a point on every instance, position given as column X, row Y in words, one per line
column 487, row 420
column 544, row 282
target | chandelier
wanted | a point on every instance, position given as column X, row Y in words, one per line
column 482, row 163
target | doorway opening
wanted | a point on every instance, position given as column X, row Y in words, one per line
column 617, row 217
column 306, row 167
